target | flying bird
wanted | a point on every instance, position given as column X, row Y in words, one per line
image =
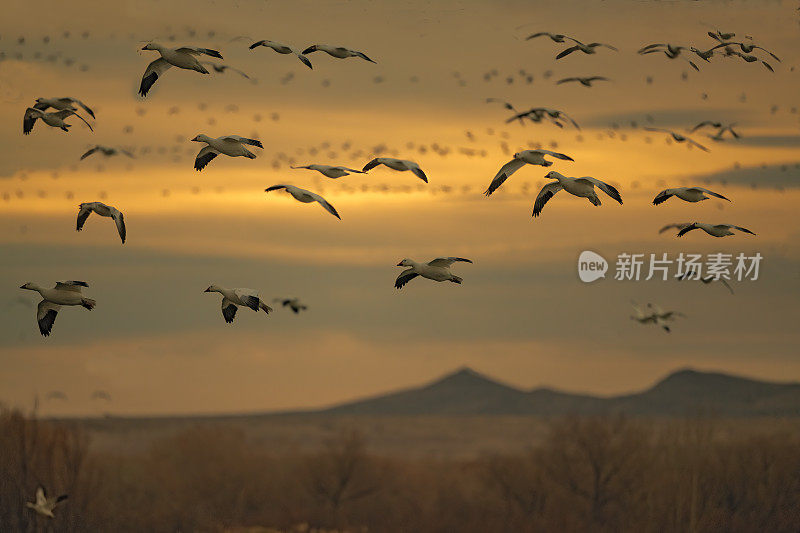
column 437, row 270
column 688, row 194
column 44, row 506
column 61, row 104
column 230, row 145
column 590, row 48
column 330, row 171
column 55, row 119
column 292, row 303
column 715, row 230
column 586, row 82
column 183, row 57
column 582, row 187
column 107, row 151
column 231, row 298
column 719, row 126
column 282, row 49
column 676, row 225
column 677, row 137
column 103, row 210
column 302, row 195
column 338, row 52
column 525, row 157
column 397, row 164
column 64, row 293
column 555, row 37
column 536, row 114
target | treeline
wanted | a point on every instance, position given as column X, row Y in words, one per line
column 589, row 474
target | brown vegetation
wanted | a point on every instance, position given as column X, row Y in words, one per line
column 588, row 474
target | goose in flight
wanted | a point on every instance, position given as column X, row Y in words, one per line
column 107, row 151
column 282, row 49
column 715, row 230
column 302, row 195
column 586, row 82
column 64, row 293
column 103, row 210
column 292, row 303
column 582, row 187
column 331, row 171
column 231, row 298
column 525, row 157
column 687, row 194
column 718, row 35
column 397, row 164
column 44, row 506
column 230, row 145
column 555, row 37
column 536, row 114
column 654, row 315
column 55, row 119
column 671, row 51
column 706, row 280
column 719, row 126
column 747, row 48
column 183, row 57
column 437, row 270
column 338, row 52
column 61, row 104
column 677, row 137
column 590, row 48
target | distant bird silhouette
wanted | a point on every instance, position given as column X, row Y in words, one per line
column 283, row 49
column 586, row 82
column 338, row 52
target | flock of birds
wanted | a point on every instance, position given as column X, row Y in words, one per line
column 68, row 293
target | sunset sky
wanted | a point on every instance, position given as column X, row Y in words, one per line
column 158, row 344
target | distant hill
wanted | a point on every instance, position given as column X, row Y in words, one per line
column 685, row 392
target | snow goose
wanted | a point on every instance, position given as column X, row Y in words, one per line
column 582, row 187
column 183, row 57
column 282, row 49
column 339, row 52
column 292, row 303
column 107, row 151
column 555, row 37
column 64, row 293
column 536, row 114
column 55, row 119
column 302, row 195
column 677, row 137
column 231, row 298
column 61, row 104
column 103, row 210
column 230, row 145
column 437, row 270
column 586, row 82
column 719, row 126
column 44, row 506
column 688, row 194
column 330, row 171
column 654, row 315
column 529, row 157
column 590, row 48
column 397, row 164
column 715, row 230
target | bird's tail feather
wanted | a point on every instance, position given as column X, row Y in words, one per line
column 456, row 279
column 88, row 303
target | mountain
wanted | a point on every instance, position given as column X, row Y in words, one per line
column 685, row 392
